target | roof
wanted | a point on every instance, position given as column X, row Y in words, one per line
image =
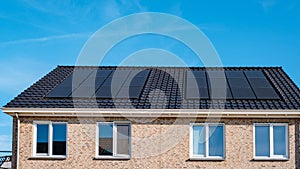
column 156, row 90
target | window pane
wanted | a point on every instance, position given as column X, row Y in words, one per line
column 199, row 140
column 123, row 139
column 262, row 141
column 215, row 141
column 42, row 138
column 59, row 139
column 279, row 140
column 106, row 139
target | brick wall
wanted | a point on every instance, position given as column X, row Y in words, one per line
column 156, row 144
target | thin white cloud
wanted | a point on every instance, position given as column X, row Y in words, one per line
column 43, row 39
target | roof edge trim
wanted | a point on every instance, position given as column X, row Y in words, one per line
column 208, row 113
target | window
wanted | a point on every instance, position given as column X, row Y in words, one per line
column 207, row 141
column 270, row 141
column 113, row 140
column 50, row 139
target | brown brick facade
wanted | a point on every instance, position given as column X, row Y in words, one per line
column 155, row 144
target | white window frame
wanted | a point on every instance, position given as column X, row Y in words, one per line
column 50, row 139
column 272, row 156
column 206, row 156
column 115, row 155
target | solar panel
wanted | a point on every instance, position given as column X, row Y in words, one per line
column 238, row 83
column 261, row 85
column 123, row 93
column 107, row 82
column 220, row 93
column 104, row 92
column 215, row 74
column 254, row 74
column 67, row 82
column 137, row 81
column 104, row 73
column 218, row 88
column 197, row 93
column 196, row 85
column 234, row 74
column 143, row 73
column 122, row 84
column 135, row 92
column 242, row 93
column 134, row 83
column 82, row 73
column 83, row 92
column 121, row 73
column 73, row 81
column 266, row 93
column 197, row 82
column 196, row 74
column 60, row 92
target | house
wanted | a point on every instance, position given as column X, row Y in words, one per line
column 157, row 117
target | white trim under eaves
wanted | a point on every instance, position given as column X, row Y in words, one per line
column 211, row 113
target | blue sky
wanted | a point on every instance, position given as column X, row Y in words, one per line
column 36, row 36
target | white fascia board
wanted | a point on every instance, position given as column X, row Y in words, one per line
column 90, row 112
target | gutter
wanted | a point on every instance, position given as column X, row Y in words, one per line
column 179, row 113
column 18, row 143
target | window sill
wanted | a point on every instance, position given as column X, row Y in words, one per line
column 49, row 157
column 270, row 159
column 207, row 158
column 112, row 158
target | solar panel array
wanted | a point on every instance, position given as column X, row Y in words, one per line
column 201, row 84
column 83, row 83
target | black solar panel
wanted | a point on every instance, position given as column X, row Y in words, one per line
column 197, row 93
column 104, row 73
column 196, row 74
column 220, row 93
column 196, row 85
column 238, row 83
column 261, row 85
column 229, row 84
column 254, row 74
column 135, row 82
column 134, row 92
column 60, row 92
column 234, row 74
column 266, row 93
column 122, row 84
column 104, row 92
column 197, row 82
column 218, row 88
column 242, row 93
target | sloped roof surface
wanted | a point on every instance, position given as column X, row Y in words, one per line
column 163, row 88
